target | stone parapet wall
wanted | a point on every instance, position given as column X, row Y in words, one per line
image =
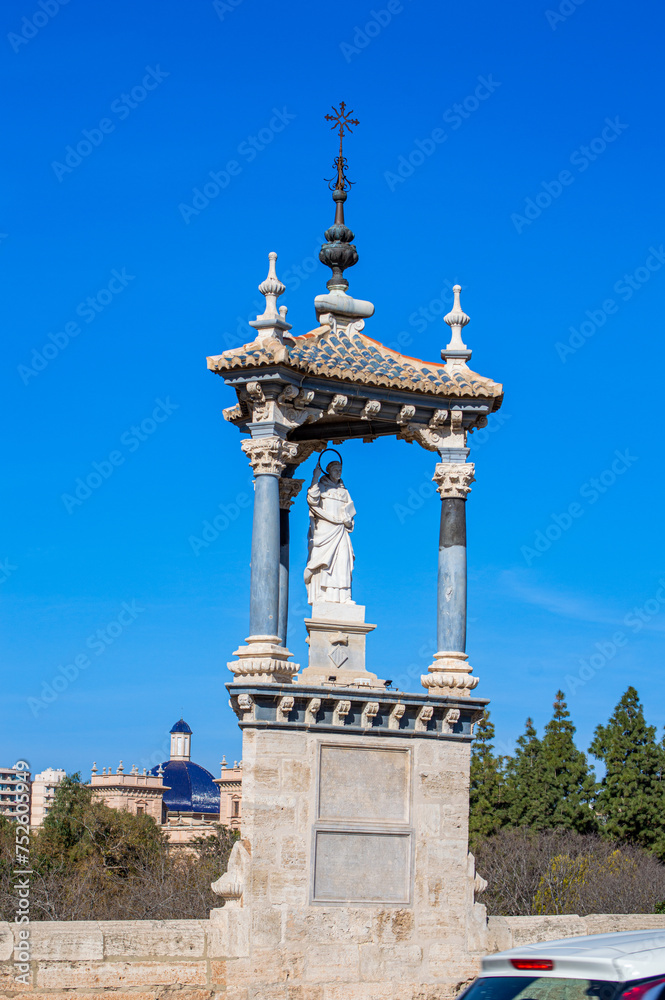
column 186, row 960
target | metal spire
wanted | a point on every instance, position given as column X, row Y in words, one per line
column 339, row 253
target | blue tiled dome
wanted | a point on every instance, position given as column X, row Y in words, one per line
column 191, row 787
column 181, row 727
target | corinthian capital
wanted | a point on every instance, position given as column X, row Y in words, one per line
column 453, row 479
column 288, row 491
column 269, row 455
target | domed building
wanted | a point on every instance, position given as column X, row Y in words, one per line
column 191, row 800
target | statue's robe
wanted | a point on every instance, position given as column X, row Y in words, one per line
column 330, row 553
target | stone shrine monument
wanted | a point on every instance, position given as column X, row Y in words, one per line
column 352, row 878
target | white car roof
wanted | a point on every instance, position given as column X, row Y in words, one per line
column 616, row 957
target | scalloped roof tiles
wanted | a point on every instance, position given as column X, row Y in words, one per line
column 354, row 357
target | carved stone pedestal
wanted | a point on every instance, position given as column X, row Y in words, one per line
column 336, row 637
column 450, row 674
column 263, row 660
column 352, row 877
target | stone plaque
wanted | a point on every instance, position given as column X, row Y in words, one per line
column 364, row 785
column 362, row 867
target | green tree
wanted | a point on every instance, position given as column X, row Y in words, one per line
column 569, row 784
column 630, row 799
column 526, row 792
column 487, row 795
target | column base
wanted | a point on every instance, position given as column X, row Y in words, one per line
column 264, row 660
column 450, row 672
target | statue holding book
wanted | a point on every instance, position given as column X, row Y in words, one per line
column 330, row 553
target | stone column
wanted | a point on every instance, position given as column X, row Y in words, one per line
column 450, row 668
column 265, row 657
column 288, row 491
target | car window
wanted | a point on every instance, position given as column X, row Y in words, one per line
column 540, row 988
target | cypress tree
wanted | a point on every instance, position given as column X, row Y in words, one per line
column 630, row 800
column 526, row 791
column 487, row 794
column 569, row 784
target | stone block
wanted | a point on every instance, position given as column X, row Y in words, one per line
column 64, row 940
column 218, row 973
column 152, row 938
column 228, row 933
column 293, row 852
column 68, row 975
column 444, row 956
column 332, row 963
column 266, row 928
column 232, row 992
column 530, row 930
column 365, row 991
column 609, row 923
column 392, row 925
column 397, row 962
column 6, row 941
column 8, row 980
column 295, row 775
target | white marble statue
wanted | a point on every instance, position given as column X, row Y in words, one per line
column 330, row 553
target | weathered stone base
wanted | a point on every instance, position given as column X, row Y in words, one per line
column 186, row 960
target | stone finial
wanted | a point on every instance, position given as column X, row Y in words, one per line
column 94, row 767
column 223, row 763
column 121, row 768
column 160, row 771
column 272, row 322
column 456, row 352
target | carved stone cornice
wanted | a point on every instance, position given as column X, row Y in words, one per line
column 288, row 491
column 453, row 479
column 269, row 455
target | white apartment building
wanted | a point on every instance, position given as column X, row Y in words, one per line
column 10, row 779
column 43, row 792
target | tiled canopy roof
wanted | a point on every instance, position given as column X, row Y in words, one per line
column 352, row 356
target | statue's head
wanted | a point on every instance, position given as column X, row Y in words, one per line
column 334, row 470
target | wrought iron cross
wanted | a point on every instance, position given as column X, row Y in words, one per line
column 341, row 120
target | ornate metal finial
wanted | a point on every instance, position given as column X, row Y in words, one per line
column 339, row 253
column 342, row 121
column 456, row 352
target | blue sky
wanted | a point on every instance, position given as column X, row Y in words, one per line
column 514, row 148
